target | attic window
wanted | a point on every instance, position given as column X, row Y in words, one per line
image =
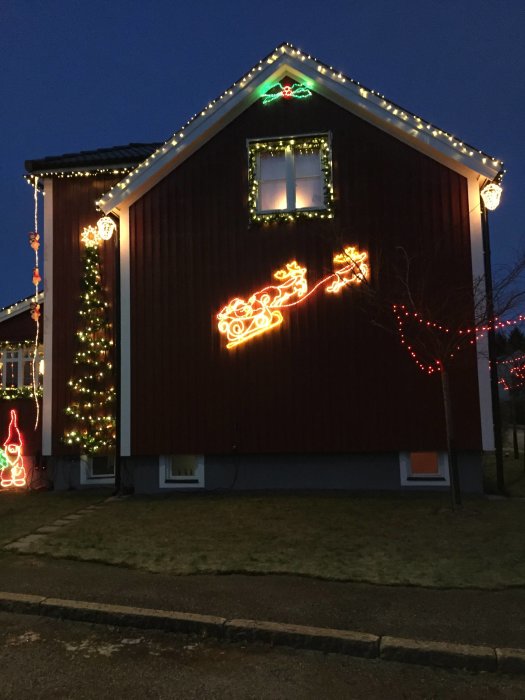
column 290, row 177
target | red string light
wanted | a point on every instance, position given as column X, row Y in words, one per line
column 402, row 315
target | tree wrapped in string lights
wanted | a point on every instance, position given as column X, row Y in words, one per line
column 91, row 425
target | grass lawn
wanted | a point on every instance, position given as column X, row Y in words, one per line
column 514, row 473
column 22, row 512
column 390, row 539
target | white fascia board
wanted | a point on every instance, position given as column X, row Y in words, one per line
column 348, row 94
column 482, row 346
column 399, row 123
column 125, row 334
column 20, row 307
column 182, row 146
column 47, row 400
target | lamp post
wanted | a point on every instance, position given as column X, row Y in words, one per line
column 106, row 228
column 490, row 196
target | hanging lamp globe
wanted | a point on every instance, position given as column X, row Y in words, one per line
column 491, row 195
column 106, row 227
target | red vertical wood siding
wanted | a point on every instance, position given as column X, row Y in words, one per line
column 326, row 379
column 73, row 209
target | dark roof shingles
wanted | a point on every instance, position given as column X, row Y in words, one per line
column 130, row 155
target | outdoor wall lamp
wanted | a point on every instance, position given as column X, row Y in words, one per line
column 491, row 195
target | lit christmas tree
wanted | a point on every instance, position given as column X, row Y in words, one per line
column 92, row 411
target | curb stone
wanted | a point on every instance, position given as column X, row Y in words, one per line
column 301, row 636
column 511, row 660
column 353, row 643
column 429, row 653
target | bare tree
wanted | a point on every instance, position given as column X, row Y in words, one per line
column 438, row 312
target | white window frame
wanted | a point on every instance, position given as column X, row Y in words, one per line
column 86, row 473
column 168, row 481
column 20, row 352
column 288, row 143
column 442, row 478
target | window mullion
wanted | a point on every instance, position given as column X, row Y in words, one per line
column 290, row 179
column 20, row 376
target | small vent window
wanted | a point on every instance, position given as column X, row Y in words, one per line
column 181, row 471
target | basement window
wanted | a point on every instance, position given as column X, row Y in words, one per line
column 290, row 177
column 424, row 468
column 97, row 470
column 181, row 471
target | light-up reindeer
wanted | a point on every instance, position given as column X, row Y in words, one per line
column 13, row 472
column 351, row 268
column 241, row 320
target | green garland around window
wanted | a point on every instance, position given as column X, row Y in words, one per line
column 16, row 345
column 20, row 392
column 278, row 146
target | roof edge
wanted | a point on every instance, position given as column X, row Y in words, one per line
column 367, row 104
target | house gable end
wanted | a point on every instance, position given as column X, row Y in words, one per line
column 288, row 63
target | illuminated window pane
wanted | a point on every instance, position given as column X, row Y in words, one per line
column 309, row 193
column 424, row 463
column 11, row 368
column 307, row 164
column 1, row 373
column 28, row 368
column 272, row 167
column 272, row 195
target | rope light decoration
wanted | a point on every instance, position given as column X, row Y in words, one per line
column 34, row 242
column 12, row 471
column 242, row 320
column 279, row 91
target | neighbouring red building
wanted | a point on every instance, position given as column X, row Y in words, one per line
column 17, row 348
column 233, row 376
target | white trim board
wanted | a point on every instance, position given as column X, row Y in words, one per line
column 482, row 345
column 19, row 307
column 125, row 334
column 47, row 398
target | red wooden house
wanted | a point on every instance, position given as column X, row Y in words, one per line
column 247, row 357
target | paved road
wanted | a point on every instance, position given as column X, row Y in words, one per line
column 44, row 659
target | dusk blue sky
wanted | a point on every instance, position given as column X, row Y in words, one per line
column 79, row 75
